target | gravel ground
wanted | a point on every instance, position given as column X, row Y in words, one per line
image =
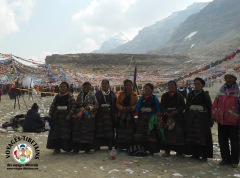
column 98, row 164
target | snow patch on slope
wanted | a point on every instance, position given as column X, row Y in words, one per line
column 190, row 36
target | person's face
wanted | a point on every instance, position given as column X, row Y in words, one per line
column 128, row 86
column 198, row 85
column 230, row 80
column 86, row 88
column 105, row 85
column 63, row 88
column 171, row 87
column 148, row 90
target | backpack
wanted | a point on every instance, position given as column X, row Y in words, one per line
column 17, row 121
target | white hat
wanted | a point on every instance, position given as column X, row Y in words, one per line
column 231, row 72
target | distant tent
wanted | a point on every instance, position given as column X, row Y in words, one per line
column 28, row 82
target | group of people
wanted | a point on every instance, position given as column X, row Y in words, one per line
column 145, row 125
column 8, row 89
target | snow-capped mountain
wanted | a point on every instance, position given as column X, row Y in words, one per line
column 160, row 33
column 114, row 41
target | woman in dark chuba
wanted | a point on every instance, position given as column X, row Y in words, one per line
column 198, row 122
column 106, row 116
column 84, row 125
column 147, row 109
column 172, row 107
column 61, row 110
column 126, row 103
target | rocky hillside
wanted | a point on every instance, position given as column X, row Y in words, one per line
column 212, row 53
column 217, row 23
column 159, row 33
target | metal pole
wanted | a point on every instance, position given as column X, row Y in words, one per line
column 15, row 104
column 135, row 78
column 24, row 101
column 18, row 102
column 137, row 89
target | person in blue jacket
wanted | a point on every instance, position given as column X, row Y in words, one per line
column 33, row 121
column 147, row 106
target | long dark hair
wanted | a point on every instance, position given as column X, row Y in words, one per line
column 150, row 85
column 126, row 81
column 105, row 80
column 88, row 84
column 65, row 83
column 171, row 81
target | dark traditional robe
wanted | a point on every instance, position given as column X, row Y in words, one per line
column 175, row 138
column 126, row 124
column 105, row 120
column 147, row 142
column 198, row 125
column 60, row 134
column 84, row 129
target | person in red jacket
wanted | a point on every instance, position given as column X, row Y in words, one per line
column 225, row 111
column 10, row 91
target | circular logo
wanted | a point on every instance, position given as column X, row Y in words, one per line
column 22, row 153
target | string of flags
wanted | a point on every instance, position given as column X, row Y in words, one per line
column 42, row 73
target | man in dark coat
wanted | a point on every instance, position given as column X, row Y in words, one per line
column 13, row 93
column 56, row 90
column 71, row 88
column 182, row 90
column 33, row 121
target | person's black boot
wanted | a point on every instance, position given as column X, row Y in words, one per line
column 38, row 130
column 224, row 162
column 194, row 157
column 56, row 152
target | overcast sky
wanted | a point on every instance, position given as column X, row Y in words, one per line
column 33, row 29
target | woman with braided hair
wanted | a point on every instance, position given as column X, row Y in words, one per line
column 60, row 114
column 84, row 125
column 106, row 116
column 126, row 103
column 198, row 122
column 172, row 107
column 148, row 106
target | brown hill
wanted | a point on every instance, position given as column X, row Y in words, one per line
column 214, row 52
column 106, row 63
column 114, row 63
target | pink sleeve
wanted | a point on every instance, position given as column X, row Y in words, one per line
column 214, row 106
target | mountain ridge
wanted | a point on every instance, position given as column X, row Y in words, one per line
column 158, row 34
column 214, row 25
